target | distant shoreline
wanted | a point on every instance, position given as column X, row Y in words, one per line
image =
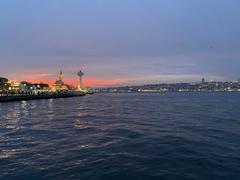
column 178, row 87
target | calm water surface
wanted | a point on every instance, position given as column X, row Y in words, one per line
column 122, row 136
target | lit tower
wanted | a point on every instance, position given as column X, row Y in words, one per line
column 80, row 74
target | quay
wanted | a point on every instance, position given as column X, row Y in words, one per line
column 26, row 97
column 23, row 91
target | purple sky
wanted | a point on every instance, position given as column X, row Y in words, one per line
column 118, row 42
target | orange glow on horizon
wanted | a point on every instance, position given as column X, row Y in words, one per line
column 92, row 82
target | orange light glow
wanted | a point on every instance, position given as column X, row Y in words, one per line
column 92, row 81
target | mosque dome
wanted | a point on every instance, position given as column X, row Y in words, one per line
column 59, row 83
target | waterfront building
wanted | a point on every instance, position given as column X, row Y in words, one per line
column 40, row 88
column 26, row 87
column 3, row 80
column 3, row 84
column 36, row 88
column 59, row 85
column 9, row 86
column 60, row 82
column 14, row 86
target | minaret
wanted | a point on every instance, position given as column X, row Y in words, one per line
column 61, row 76
column 80, row 74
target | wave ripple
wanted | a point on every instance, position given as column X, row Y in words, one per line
column 122, row 136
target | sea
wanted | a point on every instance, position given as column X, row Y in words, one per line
column 122, row 136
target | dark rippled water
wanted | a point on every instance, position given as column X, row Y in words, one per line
column 122, row 136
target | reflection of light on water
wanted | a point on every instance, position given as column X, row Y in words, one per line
column 82, row 114
column 9, row 126
column 79, row 125
column 81, row 107
column 13, row 113
column 78, row 162
column 50, row 102
column 50, row 114
column 7, row 154
column 24, row 108
column 43, row 168
column 84, row 146
column 23, row 104
column 12, row 118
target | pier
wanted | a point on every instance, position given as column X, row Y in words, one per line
column 23, row 91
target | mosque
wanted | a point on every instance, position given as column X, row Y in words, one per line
column 59, row 85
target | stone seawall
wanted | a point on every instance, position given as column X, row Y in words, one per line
column 34, row 97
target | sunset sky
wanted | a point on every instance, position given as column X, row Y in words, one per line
column 120, row 42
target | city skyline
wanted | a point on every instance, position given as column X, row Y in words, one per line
column 75, row 81
column 121, row 42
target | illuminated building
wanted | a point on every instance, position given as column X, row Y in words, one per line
column 26, row 87
column 13, row 86
column 59, row 84
column 30, row 88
